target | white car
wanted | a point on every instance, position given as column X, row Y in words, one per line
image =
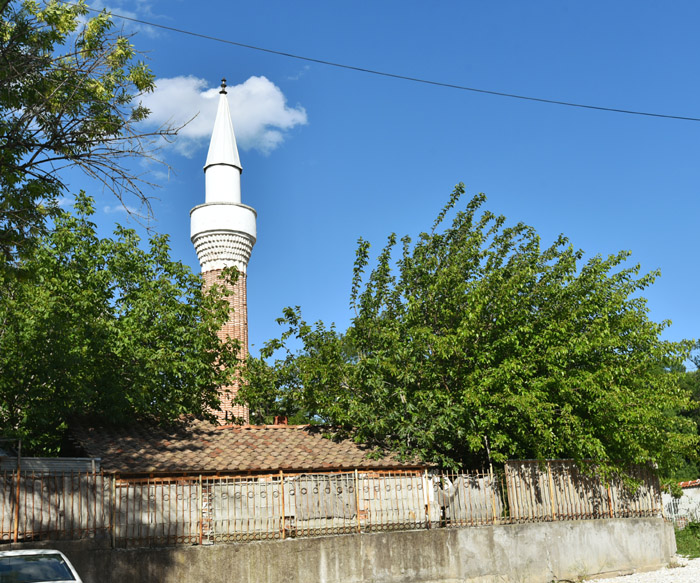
column 36, row 566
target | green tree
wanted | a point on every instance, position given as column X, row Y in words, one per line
column 102, row 331
column 69, row 90
column 689, row 466
column 476, row 345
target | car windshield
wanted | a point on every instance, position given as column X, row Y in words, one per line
column 34, row 569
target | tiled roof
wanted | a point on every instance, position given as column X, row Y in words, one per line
column 201, row 447
column 691, row 484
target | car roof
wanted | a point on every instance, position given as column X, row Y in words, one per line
column 43, row 553
column 30, row 552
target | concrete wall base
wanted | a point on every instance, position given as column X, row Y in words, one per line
column 518, row 553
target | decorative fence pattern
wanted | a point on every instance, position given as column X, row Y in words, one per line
column 207, row 510
column 201, row 510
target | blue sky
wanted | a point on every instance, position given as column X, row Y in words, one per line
column 330, row 155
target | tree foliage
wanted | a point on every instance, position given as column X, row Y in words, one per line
column 102, row 331
column 474, row 344
column 69, row 90
column 689, row 465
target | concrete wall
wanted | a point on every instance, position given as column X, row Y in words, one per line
column 520, row 553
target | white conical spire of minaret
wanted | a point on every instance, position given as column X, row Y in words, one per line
column 223, row 168
column 223, row 230
column 222, row 148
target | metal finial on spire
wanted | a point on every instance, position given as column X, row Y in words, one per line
column 222, row 147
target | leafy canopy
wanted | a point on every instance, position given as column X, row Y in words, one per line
column 102, row 331
column 477, row 345
column 69, row 90
column 689, row 466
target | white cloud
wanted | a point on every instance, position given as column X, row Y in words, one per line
column 120, row 208
column 299, row 74
column 259, row 110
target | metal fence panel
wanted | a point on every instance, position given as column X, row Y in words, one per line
column 244, row 509
column 471, row 499
column 322, row 504
column 684, row 509
column 196, row 510
column 559, row 490
column 391, row 501
column 40, row 506
column 156, row 512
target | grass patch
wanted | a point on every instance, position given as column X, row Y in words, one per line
column 688, row 540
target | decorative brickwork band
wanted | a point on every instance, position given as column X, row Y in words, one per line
column 219, row 249
column 236, row 327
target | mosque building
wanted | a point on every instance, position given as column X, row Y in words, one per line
column 223, row 231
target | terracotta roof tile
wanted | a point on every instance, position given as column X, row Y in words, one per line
column 200, row 447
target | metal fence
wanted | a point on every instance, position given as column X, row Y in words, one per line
column 65, row 506
column 559, row 490
column 683, row 510
column 201, row 510
column 226, row 509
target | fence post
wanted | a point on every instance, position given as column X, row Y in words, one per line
column 443, row 512
column 654, row 489
column 113, row 512
column 509, row 493
column 201, row 511
column 656, row 484
column 17, row 491
column 493, row 494
column 94, row 499
column 15, row 534
column 427, row 500
column 357, row 502
column 282, row 496
column 551, row 490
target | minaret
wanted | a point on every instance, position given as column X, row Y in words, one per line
column 223, row 233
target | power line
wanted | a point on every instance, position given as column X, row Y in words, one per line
column 394, row 75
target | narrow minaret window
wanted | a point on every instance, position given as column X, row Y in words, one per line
column 223, row 232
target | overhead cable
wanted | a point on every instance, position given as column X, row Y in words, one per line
column 395, row 75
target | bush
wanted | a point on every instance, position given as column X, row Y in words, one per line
column 688, row 540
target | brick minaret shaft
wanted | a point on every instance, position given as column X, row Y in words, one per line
column 236, row 327
column 223, row 232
